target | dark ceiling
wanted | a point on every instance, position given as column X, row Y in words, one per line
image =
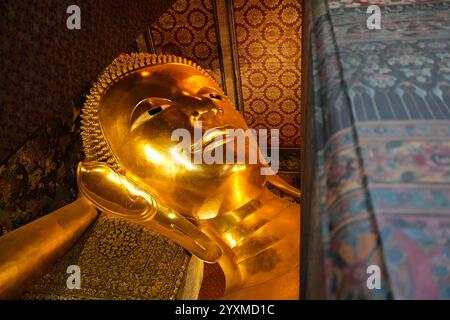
column 44, row 65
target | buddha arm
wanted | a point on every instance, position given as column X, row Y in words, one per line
column 27, row 252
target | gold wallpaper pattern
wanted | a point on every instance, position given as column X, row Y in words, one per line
column 268, row 35
column 188, row 29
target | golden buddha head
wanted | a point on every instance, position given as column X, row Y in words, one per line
column 129, row 120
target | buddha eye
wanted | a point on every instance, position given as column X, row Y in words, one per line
column 215, row 96
column 157, row 109
column 147, row 109
column 154, row 110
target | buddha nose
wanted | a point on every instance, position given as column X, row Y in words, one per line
column 206, row 113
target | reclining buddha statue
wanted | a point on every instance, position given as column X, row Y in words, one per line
column 135, row 171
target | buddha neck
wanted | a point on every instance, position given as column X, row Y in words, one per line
column 259, row 240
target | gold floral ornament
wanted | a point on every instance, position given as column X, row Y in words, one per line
column 118, row 243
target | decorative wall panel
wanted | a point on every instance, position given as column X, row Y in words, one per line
column 268, row 37
column 188, row 29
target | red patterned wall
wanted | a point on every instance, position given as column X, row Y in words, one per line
column 268, row 37
column 187, row 29
column 268, row 34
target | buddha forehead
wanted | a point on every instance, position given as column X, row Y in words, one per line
column 168, row 80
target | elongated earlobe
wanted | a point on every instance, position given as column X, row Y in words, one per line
column 113, row 192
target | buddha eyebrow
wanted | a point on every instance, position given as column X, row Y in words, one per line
column 212, row 92
column 147, row 108
column 150, row 103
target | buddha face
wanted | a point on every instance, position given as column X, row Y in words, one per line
column 138, row 115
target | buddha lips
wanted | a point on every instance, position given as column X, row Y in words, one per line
column 229, row 145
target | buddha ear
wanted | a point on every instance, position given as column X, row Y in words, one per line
column 115, row 193
column 112, row 192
